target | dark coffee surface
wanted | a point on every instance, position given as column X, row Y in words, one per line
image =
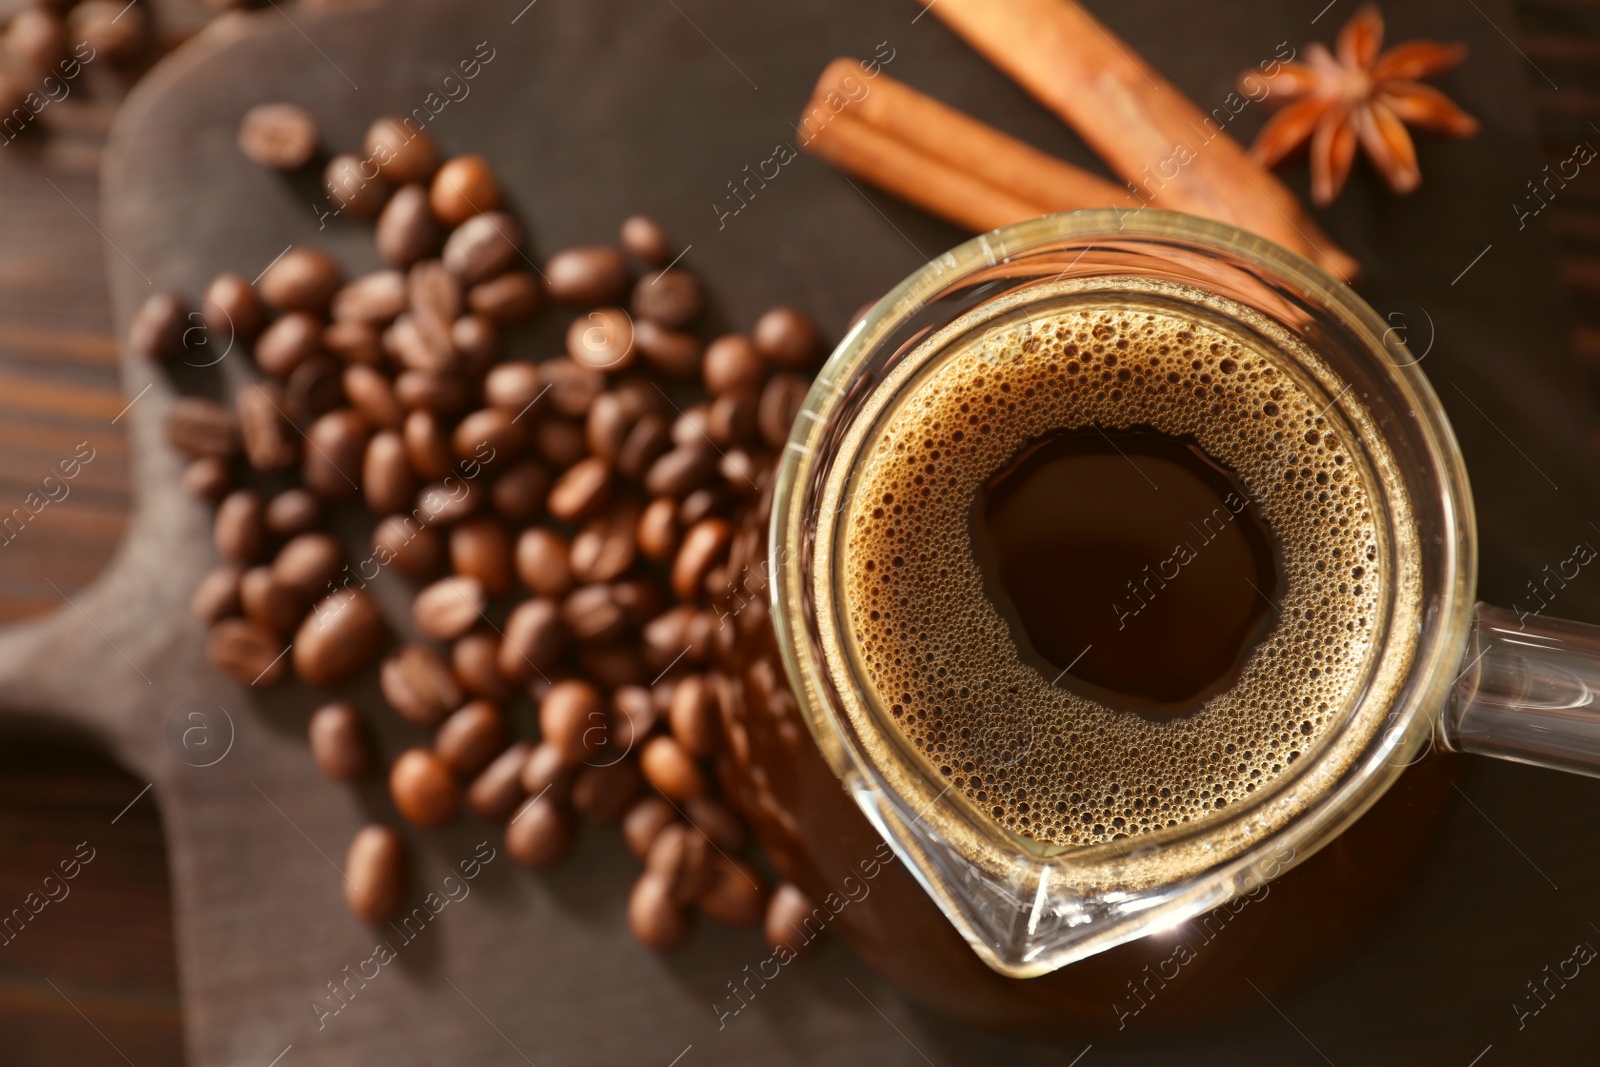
column 1133, row 564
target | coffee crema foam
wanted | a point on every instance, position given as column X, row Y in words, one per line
column 939, row 660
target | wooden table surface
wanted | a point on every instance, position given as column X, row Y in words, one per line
column 113, row 959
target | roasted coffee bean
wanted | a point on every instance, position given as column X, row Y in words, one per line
column 639, row 599
column 217, row 596
column 353, row 342
column 682, row 470
column 231, row 312
column 302, row 279
column 247, row 650
column 483, row 246
column 700, row 504
column 448, row 608
column 717, row 822
column 788, row 338
column 657, row 531
column 239, row 530
column 672, row 352
column 314, row 388
column 374, row 874
column 668, row 767
column 586, row 274
column 198, row 427
column 646, row 238
column 604, row 549
column 207, row 478
column 475, row 660
column 415, row 551
column 279, row 136
column 647, row 818
column 581, row 490
column 572, row 717
column 406, row 231
column 740, row 470
column 513, row 386
column 387, row 481
column 271, row 442
column 548, row 769
column 691, row 426
column 36, row 40
column 780, row 405
column 604, row 792
column 449, row 501
column 288, row 342
column 558, row 443
column 434, row 293
column 602, row 339
column 418, row 685
column 344, row 632
column 354, row 185
column 706, row 542
column 427, row 445
column 472, row 736
column 419, row 348
column 691, row 719
column 481, row 548
column 592, row 615
column 633, row 716
column 489, row 433
column 336, row 445
column 339, row 742
column 612, row 665
column 158, row 327
column 476, row 343
column 540, row 833
column 401, row 153
column 515, row 296
column 442, row 394
column 731, row 422
column 374, row 298
column 607, row 426
column 680, row 855
column 543, row 562
column 666, row 637
column 465, row 186
column 534, row 638
column 494, row 794
column 734, row 894
column 292, row 512
column 519, row 493
column 308, row 565
column 731, row 363
column 670, row 297
column 789, row 916
column 573, row 386
column 423, row 789
column 655, row 920
column 372, row 396
column 118, row 34
column 647, row 441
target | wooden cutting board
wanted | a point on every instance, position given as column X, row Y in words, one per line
column 593, row 110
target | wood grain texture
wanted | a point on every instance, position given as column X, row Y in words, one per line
column 597, row 112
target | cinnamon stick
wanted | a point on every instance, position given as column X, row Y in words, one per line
column 1136, row 120
column 963, row 142
column 859, row 148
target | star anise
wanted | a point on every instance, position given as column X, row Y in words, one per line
column 1359, row 96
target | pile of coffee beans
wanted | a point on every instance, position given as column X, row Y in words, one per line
column 565, row 523
column 46, row 44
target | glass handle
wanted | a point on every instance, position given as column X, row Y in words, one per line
column 1529, row 691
